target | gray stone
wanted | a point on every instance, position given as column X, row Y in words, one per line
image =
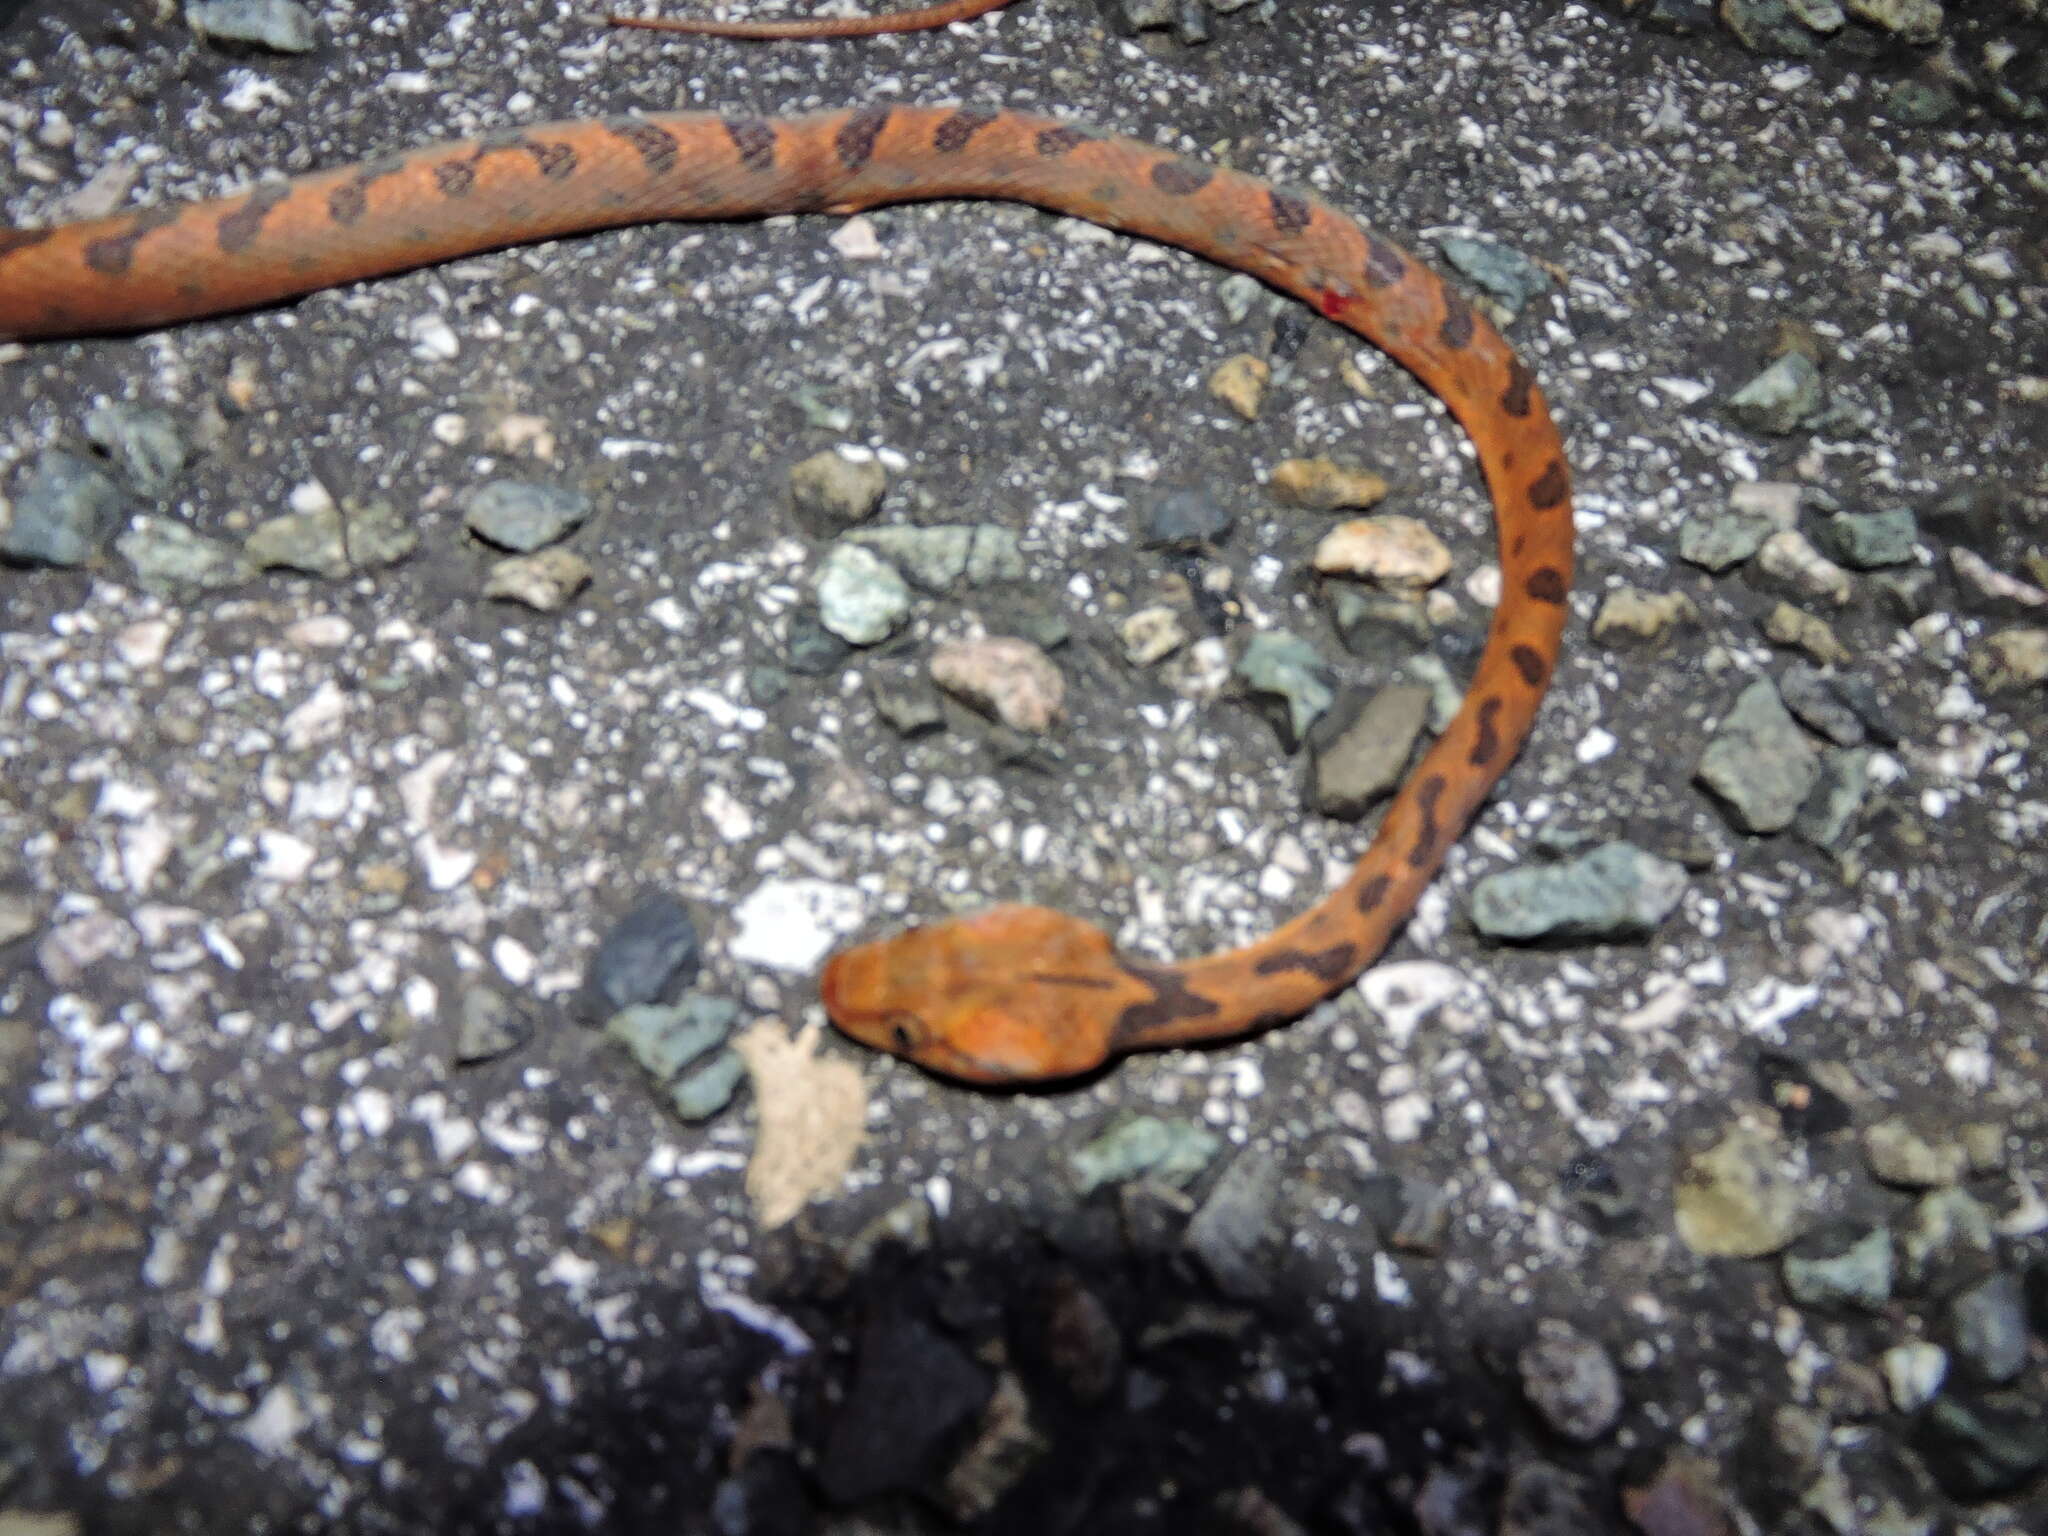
column 1169, row 1151
column 810, row 649
column 332, row 541
column 1811, row 695
column 487, row 1026
column 1842, row 1267
column 1759, row 761
column 176, row 561
column 521, row 516
column 911, row 705
column 65, row 513
column 1500, row 271
column 704, row 1091
column 1716, row 541
column 1837, row 800
column 282, row 26
column 649, row 956
column 144, row 442
column 1617, row 891
column 1377, row 624
column 947, row 555
column 1768, row 27
column 1988, row 1323
column 1950, row 1233
column 1983, row 1448
column 1864, row 541
column 1277, row 662
column 861, row 597
column 1228, row 1234
column 1182, row 517
column 1571, row 1381
column 1362, row 763
column 1781, row 398
column 665, row 1039
column 1913, row 21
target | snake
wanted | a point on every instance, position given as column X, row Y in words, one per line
column 923, row 18
column 1015, row 994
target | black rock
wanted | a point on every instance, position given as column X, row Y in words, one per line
column 650, row 956
column 1290, row 332
column 1179, row 517
column 812, row 650
column 1978, row 1449
column 914, row 1392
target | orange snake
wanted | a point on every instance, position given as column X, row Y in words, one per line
column 1014, row 994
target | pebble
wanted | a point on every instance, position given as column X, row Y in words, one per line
column 790, row 924
column 1985, row 1447
column 1912, row 21
column 1277, row 662
column 1389, row 549
column 1777, row 502
column 1811, row 695
column 1361, row 763
column 1864, row 541
column 1229, row 1231
column 522, row 516
column 332, row 542
column 2010, row 659
column 1759, row 762
column 65, row 513
column 706, row 1090
column 1151, row 635
column 1781, row 398
column 282, row 26
column 649, row 956
column 914, row 1391
column 809, row 648
column 832, row 492
column 487, row 1025
column 1240, row 383
column 546, row 581
column 946, row 555
column 1373, row 623
column 1900, row 1154
column 861, row 597
column 1950, row 1233
column 1324, row 485
column 1991, row 590
column 1841, row 1265
column 910, row 704
column 1571, row 1381
column 1503, row 273
column 1617, row 891
column 1837, row 801
column 1789, row 625
column 1005, row 1447
column 1683, row 1499
column 1718, row 541
column 1913, row 1373
column 175, row 560
column 1788, row 557
column 1629, row 614
column 1005, row 676
column 1988, row 1326
column 1181, row 517
column 1172, row 1152
column 1742, row 1197
column 666, row 1038
column 143, row 442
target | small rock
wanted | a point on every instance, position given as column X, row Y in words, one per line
column 545, row 581
column 175, row 561
column 1169, row 1151
column 1151, row 634
column 704, row 1091
column 1323, row 485
column 1240, row 383
column 910, row 704
column 1539, row 1500
column 64, row 515
column 1787, row 625
column 947, row 555
column 2010, row 659
column 523, row 517
column 1777, row 502
column 1590, row 1179
column 1276, row 662
column 1005, row 676
column 1863, row 541
column 1228, row 1232
column 1913, row 1373
column 487, row 1026
column 1627, row 614
column 332, row 541
column 1984, row 1144
column 648, row 957
column 144, row 443
column 861, row 597
column 1374, row 624
column 282, row 26
column 1912, row 21
column 1899, row 1154
column 1922, row 103
column 1788, row 557
column 1182, row 518
column 810, row 649
column 1980, row 1449
column 913, row 1390
column 1571, row 1381
column 1716, row 541
column 1759, row 761
column 1950, row 1234
column 20, row 915
column 1361, row 763
column 833, row 492
column 1841, row 1266
column 1742, row 1197
column 1617, row 891
column 1682, row 1500
column 1985, row 588
column 1781, row 398
column 1003, row 1449
column 1906, row 592
column 1810, row 694
column 1506, row 276
column 665, row 1039
column 1392, row 550
column 1988, row 1323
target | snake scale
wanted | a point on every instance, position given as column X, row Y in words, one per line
column 1015, row 994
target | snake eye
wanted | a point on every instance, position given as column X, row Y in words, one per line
column 901, row 1033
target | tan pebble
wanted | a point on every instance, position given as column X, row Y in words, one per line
column 1240, row 383
column 1776, row 501
column 1324, row 485
column 837, row 491
column 1993, row 582
column 1789, row 557
column 1390, row 549
column 1627, row 613
column 1787, row 625
column 524, row 433
column 1152, row 634
column 2012, row 658
column 1010, row 678
column 543, row 581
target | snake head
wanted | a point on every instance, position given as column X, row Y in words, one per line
column 1012, row 994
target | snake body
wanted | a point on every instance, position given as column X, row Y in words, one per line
column 1013, row 994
